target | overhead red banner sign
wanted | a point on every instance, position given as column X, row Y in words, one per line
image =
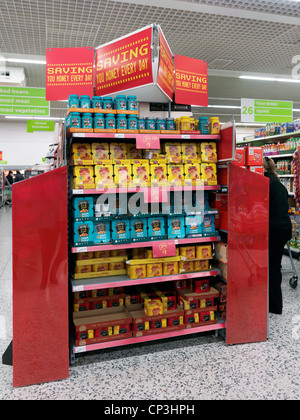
column 165, row 75
column 190, row 81
column 125, row 63
column 69, row 71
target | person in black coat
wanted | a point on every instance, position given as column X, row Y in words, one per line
column 280, row 232
column 19, row 177
column 9, row 178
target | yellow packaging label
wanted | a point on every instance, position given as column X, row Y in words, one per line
column 117, row 266
column 82, row 151
column 83, row 269
column 154, row 270
column 181, row 320
column 203, row 251
column 186, row 266
column 189, row 252
column 209, row 152
column 189, row 151
column 159, row 174
column 116, row 329
column 173, row 152
column 196, row 316
column 201, row 265
column 147, row 325
column 85, row 256
column 141, row 174
column 192, row 174
column 100, row 151
column 100, row 267
column 104, row 176
column 84, row 176
column 163, row 323
column 137, row 271
column 170, row 268
column 176, row 176
column 90, row 333
column 209, row 173
column 212, row 315
column 119, row 253
column 110, row 330
column 122, row 175
column 118, row 151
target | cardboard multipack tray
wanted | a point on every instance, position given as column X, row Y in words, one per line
column 189, row 295
column 103, row 301
column 139, row 318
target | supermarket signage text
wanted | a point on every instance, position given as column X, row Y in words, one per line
column 191, row 86
column 23, row 101
column 34, row 125
column 266, row 111
column 69, row 71
column 125, row 63
column 165, row 75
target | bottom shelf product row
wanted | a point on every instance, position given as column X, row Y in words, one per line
column 143, row 311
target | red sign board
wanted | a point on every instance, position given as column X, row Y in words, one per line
column 190, row 81
column 69, row 71
column 125, row 63
column 165, row 75
column 164, row 249
column 147, row 141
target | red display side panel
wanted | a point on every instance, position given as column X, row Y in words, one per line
column 40, row 279
column 247, row 271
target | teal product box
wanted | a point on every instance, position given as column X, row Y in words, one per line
column 120, row 230
column 83, row 208
column 102, row 232
column 194, row 225
column 83, row 233
column 209, row 224
column 176, row 227
column 138, row 228
column 156, row 226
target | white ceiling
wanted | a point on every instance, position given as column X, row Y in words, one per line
column 252, row 36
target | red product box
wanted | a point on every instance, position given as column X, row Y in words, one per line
column 239, row 156
column 172, row 300
column 201, row 286
column 188, row 304
column 103, row 332
column 206, row 316
column 115, row 301
column 159, row 323
column 98, row 293
column 256, row 169
column 173, row 322
column 82, row 306
column 254, row 156
column 99, row 304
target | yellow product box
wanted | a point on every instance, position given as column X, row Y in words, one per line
column 170, row 268
column 84, row 177
column 117, row 266
column 85, row 256
column 202, row 265
column 139, row 253
column 118, row 151
column 154, row 260
column 209, row 173
column 153, row 307
column 101, row 254
column 119, row 253
column 83, row 269
column 82, row 152
column 159, row 175
column 137, row 271
column 95, row 274
column 186, row 266
column 209, row 152
column 189, row 252
column 203, row 251
column 173, row 152
column 100, row 267
column 122, row 174
column 154, row 270
column 189, row 152
column 104, row 176
column 100, row 151
column 133, row 152
column 141, row 174
column 175, row 174
column 192, row 174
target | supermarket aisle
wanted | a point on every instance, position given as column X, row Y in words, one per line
column 199, row 367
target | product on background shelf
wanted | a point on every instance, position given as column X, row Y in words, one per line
column 83, row 233
column 214, row 125
column 209, row 173
column 141, row 174
column 176, row 176
column 254, row 156
column 189, row 152
column 83, row 177
column 209, row 152
column 83, row 208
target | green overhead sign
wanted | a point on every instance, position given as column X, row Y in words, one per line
column 23, row 101
column 266, row 111
column 35, row 125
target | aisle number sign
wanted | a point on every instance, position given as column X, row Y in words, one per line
column 266, row 111
column 23, row 101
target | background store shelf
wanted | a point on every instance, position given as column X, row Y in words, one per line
column 146, row 189
column 124, row 280
column 209, row 137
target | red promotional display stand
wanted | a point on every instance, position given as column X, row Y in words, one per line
column 41, row 323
